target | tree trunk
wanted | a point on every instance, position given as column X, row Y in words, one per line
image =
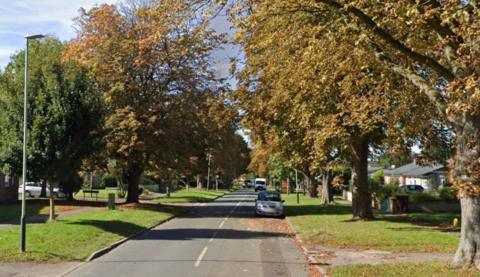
column 199, row 182
column 133, row 179
column 327, row 195
column 43, row 191
column 311, row 187
column 468, row 252
column 362, row 200
column 51, row 216
column 465, row 174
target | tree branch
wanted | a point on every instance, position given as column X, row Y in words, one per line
column 351, row 11
column 433, row 94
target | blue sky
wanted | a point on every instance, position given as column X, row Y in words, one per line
column 21, row 17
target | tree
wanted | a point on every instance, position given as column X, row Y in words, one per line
column 355, row 104
column 428, row 43
column 145, row 56
column 65, row 117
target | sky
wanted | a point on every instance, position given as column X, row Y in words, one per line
column 55, row 17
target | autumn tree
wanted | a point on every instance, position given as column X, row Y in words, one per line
column 428, row 43
column 329, row 111
column 145, row 56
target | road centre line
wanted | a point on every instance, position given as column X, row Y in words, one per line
column 199, row 259
column 204, row 251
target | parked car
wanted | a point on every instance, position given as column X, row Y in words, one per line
column 410, row 188
column 269, row 203
column 260, row 184
column 34, row 189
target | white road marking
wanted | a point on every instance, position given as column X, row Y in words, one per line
column 204, row 251
column 199, row 260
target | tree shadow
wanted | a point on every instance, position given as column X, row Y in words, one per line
column 118, row 227
column 438, row 221
column 317, row 210
column 206, row 233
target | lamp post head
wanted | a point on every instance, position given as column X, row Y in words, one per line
column 34, row 36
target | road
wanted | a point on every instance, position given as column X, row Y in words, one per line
column 221, row 238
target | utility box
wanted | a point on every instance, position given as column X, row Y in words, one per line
column 111, row 201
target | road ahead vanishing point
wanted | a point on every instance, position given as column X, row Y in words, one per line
column 222, row 238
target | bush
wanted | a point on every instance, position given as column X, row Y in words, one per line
column 418, row 197
column 385, row 191
column 446, row 194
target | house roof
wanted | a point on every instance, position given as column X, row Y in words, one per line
column 400, row 171
column 413, row 170
column 425, row 170
column 373, row 169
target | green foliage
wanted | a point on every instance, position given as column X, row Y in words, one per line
column 443, row 194
column 446, row 194
column 419, row 197
column 278, row 167
column 64, row 116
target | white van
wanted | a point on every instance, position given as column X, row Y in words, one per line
column 260, row 184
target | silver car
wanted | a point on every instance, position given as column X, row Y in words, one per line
column 269, row 203
column 34, row 189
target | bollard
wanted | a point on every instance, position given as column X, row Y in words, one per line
column 455, row 222
column 298, row 197
column 111, row 201
column 168, row 192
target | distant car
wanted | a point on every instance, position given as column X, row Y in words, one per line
column 411, row 188
column 34, row 189
column 269, row 203
column 260, row 184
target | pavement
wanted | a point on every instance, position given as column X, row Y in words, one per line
column 220, row 238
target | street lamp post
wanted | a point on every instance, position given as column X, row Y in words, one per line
column 208, row 172
column 24, row 166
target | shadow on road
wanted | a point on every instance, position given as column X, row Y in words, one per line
column 205, row 233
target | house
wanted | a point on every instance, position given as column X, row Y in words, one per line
column 8, row 188
column 430, row 177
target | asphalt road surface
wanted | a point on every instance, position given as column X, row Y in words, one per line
column 221, row 238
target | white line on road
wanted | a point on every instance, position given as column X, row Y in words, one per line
column 199, row 260
column 204, row 251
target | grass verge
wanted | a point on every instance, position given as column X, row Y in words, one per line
column 402, row 269
column 75, row 237
column 331, row 225
column 191, row 196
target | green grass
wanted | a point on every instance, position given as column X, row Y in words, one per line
column 75, row 237
column 192, row 196
column 331, row 225
column 402, row 269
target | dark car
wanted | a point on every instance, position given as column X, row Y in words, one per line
column 411, row 188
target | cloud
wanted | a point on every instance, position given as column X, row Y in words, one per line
column 18, row 18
